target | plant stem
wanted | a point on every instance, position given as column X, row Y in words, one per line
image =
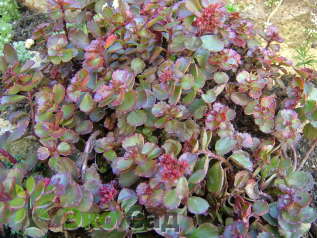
column 215, row 156
column 311, row 149
column 8, row 156
column 30, row 100
column 273, row 13
column 267, row 182
column 88, row 149
column 295, row 158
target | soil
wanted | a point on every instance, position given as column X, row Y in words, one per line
column 25, row 25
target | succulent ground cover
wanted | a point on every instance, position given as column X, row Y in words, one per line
column 157, row 118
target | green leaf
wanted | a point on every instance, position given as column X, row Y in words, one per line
column 209, row 97
column 59, row 93
column 30, row 184
column 176, row 95
column 171, row 199
column 137, row 65
column 194, row 6
column 67, row 55
column 225, row 145
column 19, row 215
column 260, row 207
column 134, row 140
column 310, row 132
column 129, row 101
column 17, row 203
column 215, row 178
column 127, row 198
column 20, row 191
column 201, row 170
column 197, row 176
column 205, row 230
column 197, row 205
column 64, row 148
column 188, row 81
column 182, row 189
column 172, row 147
column 87, row 201
column 242, row 159
column 192, row 43
column 221, row 77
column 45, row 200
column 87, row 104
column 121, row 164
column 136, row 118
column 12, row 99
column 212, row 43
column 241, row 99
column 63, row 165
column 301, row 180
column 34, row 232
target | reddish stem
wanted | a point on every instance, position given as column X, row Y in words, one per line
column 8, row 156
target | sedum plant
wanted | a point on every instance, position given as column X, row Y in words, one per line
column 154, row 109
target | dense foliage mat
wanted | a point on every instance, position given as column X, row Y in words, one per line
column 169, row 117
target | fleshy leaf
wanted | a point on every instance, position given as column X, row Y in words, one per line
column 171, row 199
column 242, row 159
column 225, row 145
column 136, row 118
column 206, row 230
column 197, row 205
column 212, row 43
column 215, row 178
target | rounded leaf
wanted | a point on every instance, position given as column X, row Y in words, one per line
column 221, row 77
column 136, row 118
column 34, row 232
column 171, row 199
column 242, row 159
column 137, row 65
column 215, row 178
column 206, row 230
column 225, row 145
column 212, row 43
column 87, row 104
column 301, row 180
column 197, row 205
column 43, row 153
column 260, row 207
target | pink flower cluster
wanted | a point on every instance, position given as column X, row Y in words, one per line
column 171, row 168
column 108, row 193
column 212, row 18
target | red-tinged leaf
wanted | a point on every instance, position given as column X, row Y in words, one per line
column 84, row 127
column 3, row 64
column 78, row 38
column 12, row 99
column 59, row 93
column 129, row 101
column 64, row 148
column 43, row 153
column 110, row 40
column 87, row 104
column 20, row 130
column 10, row 55
column 103, row 92
column 27, row 66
